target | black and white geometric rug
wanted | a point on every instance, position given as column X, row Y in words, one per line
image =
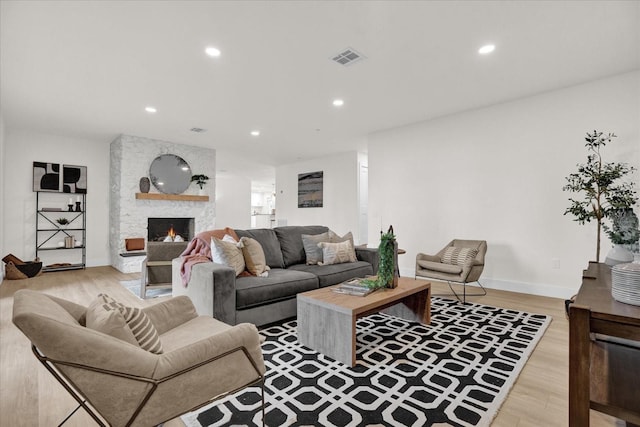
column 456, row 371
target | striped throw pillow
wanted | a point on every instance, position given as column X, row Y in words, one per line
column 137, row 321
column 337, row 253
column 459, row 256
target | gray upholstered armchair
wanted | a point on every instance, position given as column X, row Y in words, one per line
column 122, row 384
column 461, row 261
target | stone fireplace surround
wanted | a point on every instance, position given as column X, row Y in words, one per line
column 131, row 157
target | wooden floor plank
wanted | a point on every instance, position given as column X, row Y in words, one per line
column 29, row 396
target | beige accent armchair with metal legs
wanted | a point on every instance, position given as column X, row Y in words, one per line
column 433, row 267
column 120, row 384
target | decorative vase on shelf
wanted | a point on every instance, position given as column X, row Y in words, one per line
column 618, row 255
column 145, row 184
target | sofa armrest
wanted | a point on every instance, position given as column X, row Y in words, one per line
column 171, row 313
column 212, row 289
column 369, row 255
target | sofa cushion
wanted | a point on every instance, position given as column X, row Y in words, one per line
column 269, row 242
column 337, row 253
column 253, row 256
column 313, row 252
column 459, row 256
column 290, row 238
column 335, row 273
column 280, row 285
column 227, row 253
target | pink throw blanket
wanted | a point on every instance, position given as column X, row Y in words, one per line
column 199, row 250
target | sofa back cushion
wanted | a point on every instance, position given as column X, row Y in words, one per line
column 290, row 238
column 269, row 242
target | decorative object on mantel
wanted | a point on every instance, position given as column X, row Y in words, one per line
column 170, row 174
column 625, row 283
column 201, row 181
column 310, row 189
column 601, row 185
column 623, row 232
column 145, row 184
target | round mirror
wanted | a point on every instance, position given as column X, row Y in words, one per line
column 170, row 174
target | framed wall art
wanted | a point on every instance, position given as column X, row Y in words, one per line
column 74, row 179
column 310, row 189
column 46, row 176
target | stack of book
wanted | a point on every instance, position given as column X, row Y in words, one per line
column 353, row 287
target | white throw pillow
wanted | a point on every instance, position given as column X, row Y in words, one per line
column 337, row 253
column 227, row 253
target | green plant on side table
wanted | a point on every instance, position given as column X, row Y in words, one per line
column 602, row 186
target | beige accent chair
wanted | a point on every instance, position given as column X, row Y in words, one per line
column 433, row 267
column 120, row 384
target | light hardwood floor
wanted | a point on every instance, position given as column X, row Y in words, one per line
column 29, row 396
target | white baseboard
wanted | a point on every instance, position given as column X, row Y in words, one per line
column 520, row 287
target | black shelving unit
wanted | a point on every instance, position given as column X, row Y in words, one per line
column 48, row 231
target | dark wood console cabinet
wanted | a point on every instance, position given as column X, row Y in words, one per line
column 604, row 371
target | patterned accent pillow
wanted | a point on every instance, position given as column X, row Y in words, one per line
column 254, row 256
column 131, row 324
column 337, row 253
column 334, row 238
column 227, row 253
column 311, row 249
column 459, row 256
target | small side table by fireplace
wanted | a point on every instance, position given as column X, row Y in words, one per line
column 156, row 267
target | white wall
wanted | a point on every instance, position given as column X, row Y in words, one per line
column 21, row 149
column 497, row 174
column 2, row 213
column 233, row 201
column 340, row 205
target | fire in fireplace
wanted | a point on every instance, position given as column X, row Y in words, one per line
column 170, row 229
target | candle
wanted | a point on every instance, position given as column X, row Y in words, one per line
column 70, row 200
column 78, row 199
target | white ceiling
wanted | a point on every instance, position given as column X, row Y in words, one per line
column 88, row 68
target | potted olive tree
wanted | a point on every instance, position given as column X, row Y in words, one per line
column 601, row 186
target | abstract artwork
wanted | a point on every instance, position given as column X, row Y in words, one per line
column 74, row 179
column 310, row 190
column 46, row 176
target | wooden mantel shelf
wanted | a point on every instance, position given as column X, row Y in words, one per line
column 178, row 197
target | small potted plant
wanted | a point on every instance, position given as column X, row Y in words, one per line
column 200, row 180
column 62, row 221
column 624, row 234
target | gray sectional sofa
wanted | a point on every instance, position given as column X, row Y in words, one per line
column 215, row 290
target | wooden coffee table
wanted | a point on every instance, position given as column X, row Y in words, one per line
column 327, row 320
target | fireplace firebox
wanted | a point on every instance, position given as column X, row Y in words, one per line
column 170, row 229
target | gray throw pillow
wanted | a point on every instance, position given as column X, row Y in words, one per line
column 311, row 249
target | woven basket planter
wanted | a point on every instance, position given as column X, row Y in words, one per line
column 22, row 271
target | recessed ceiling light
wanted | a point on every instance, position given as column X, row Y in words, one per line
column 255, row 132
column 338, row 102
column 488, row 48
column 150, row 109
column 212, row 51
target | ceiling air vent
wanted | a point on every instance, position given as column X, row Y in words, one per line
column 347, row 57
column 198, row 130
